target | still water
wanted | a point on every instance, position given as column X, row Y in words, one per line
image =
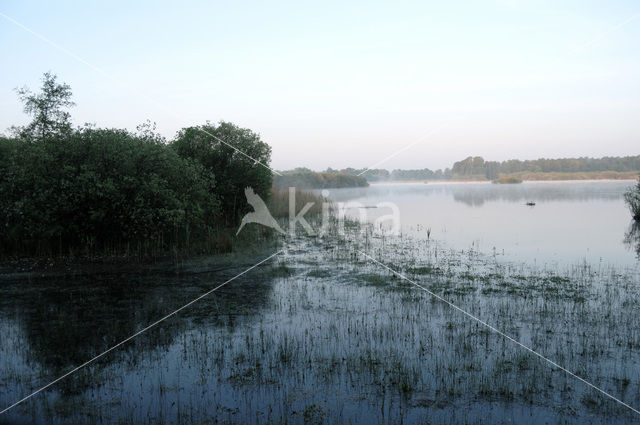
column 571, row 222
column 321, row 335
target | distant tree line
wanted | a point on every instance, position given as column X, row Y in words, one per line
column 95, row 190
column 477, row 166
column 304, row 178
column 379, row 175
column 423, row 174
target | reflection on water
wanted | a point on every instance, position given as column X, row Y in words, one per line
column 632, row 238
column 572, row 222
column 51, row 325
column 476, row 194
column 322, row 336
column 325, row 337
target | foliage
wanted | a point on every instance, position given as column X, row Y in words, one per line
column 371, row 175
column 378, row 175
column 506, row 180
column 632, row 198
column 576, row 175
column 307, row 179
column 47, row 109
column 280, row 197
column 477, row 166
column 229, row 152
column 90, row 191
column 423, row 174
column 102, row 189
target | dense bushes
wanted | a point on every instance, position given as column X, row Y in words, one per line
column 632, row 197
column 236, row 156
column 87, row 191
column 99, row 190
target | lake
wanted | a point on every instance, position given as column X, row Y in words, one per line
column 329, row 332
column 571, row 222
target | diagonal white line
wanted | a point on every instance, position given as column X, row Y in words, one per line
column 139, row 332
column 604, row 34
column 420, row 140
column 106, row 75
column 450, row 304
column 238, row 150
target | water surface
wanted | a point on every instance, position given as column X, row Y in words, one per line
column 324, row 335
column 571, row 222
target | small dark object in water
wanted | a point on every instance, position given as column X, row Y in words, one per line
column 531, row 203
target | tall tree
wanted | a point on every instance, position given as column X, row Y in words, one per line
column 47, row 108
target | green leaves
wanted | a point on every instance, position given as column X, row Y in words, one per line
column 230, row 153
column 632, row 198
column 102, row 190
column 107, row 186
column 47, row 109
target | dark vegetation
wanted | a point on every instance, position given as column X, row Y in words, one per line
column 506, row 180
column 379, row 175
column 632, row 197
column 95, row 191
column 306, row 179
column 477, row 169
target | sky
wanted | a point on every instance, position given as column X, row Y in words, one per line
column 345, row 84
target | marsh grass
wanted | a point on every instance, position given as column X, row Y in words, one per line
column 325, row 335
column 506, row 180
column 279, row 202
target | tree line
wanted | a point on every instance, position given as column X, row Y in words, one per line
column 493, row 169
column 474, row 168
column 91, row 191
column 304, row 178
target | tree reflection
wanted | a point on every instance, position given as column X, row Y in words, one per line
column 68, row 321
column 632, row 237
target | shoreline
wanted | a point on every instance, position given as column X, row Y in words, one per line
column 45, row 268
column 406, row 182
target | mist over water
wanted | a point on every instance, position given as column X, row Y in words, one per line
column 572, row 222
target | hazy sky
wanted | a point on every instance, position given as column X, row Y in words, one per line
column 337, row 84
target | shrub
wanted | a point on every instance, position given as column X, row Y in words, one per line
column 507, row 180
column 632, row 198
column 101, row 189
column 236, row 156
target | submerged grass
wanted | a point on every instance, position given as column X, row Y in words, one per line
column 323, row 335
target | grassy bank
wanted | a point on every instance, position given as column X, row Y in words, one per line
column 582, row 175
column 549, row 176
column 507, row 180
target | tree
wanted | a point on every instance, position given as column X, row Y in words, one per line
column 492, row 170
column 236, row 156
column 632, row 197
column 47, row 109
